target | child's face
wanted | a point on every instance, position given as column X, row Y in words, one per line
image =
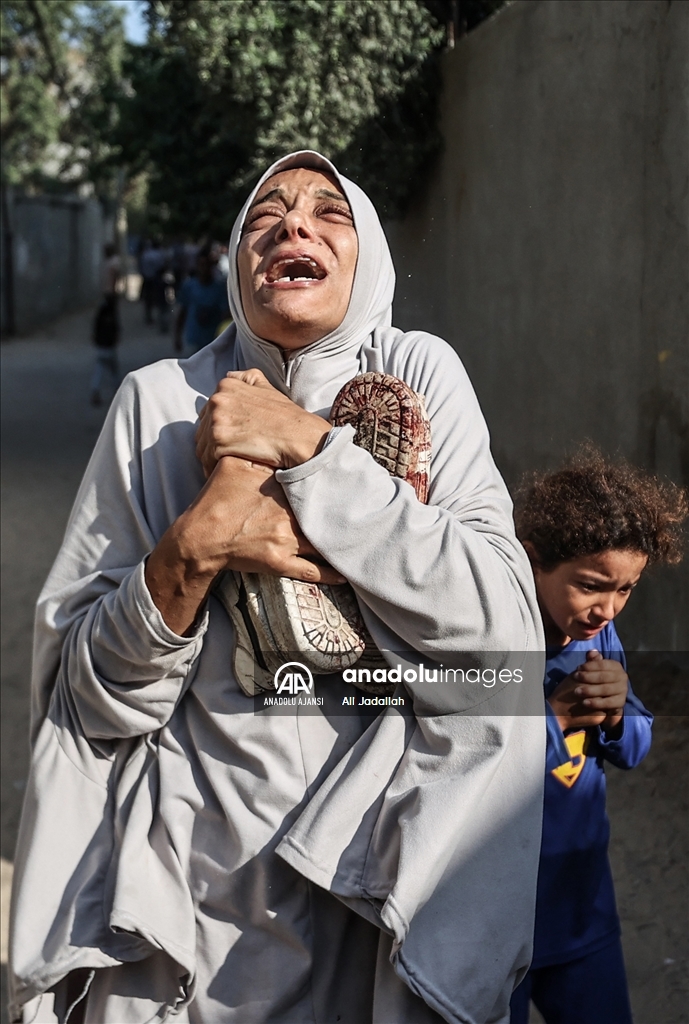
column 578, row 598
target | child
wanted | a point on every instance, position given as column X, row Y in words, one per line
column 590, row 530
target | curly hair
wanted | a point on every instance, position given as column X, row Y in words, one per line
column 594, row 505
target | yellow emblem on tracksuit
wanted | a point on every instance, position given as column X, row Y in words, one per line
column 568, row 773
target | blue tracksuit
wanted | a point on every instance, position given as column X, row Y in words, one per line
column 576, row 914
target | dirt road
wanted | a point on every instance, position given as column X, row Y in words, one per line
column 48, row 431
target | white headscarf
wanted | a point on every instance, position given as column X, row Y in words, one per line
column 307, row 378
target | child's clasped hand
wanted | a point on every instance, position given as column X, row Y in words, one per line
column 592, row 695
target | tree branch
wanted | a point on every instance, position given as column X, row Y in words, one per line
column 57, row 75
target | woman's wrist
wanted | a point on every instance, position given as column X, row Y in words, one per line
column 178, row 576
column 305, row 441
column 193, row 547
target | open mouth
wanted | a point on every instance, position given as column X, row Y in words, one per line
column 295, row 268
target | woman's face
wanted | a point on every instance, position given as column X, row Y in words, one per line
column 297, row 257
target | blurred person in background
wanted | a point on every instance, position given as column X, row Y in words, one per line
column 164, row 289
column 191, row 250
column 111, row 274
column 222, row 267
column 178, row 263
column 150, row 266
column 202, row 306
column 106, row 327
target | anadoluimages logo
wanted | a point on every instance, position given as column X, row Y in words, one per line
column 293, row 678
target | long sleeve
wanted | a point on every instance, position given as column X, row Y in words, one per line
column 444, row 577
column 126, row 669
column 630, row 748
column 102, row 648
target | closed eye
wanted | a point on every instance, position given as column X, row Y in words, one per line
column 263, row 213
column 336, row 209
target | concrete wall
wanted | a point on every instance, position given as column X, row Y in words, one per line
column 551, row 247
column 56, row 249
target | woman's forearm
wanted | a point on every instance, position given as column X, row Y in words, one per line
column 179, row 577
column 240, row 520
column 435, row 581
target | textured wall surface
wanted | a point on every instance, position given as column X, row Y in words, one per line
column 56, row 247
column 551, row 247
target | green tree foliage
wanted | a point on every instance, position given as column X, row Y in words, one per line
column 225, row 86
column 96, row 91
column 221, row 88
column 60, row 81
column 32, row 76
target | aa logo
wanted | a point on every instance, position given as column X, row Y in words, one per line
column 293, row 678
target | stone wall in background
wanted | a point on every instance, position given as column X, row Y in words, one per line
column 551, row 247
column 51, row 257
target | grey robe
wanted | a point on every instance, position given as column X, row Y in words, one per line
column 203, row 863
